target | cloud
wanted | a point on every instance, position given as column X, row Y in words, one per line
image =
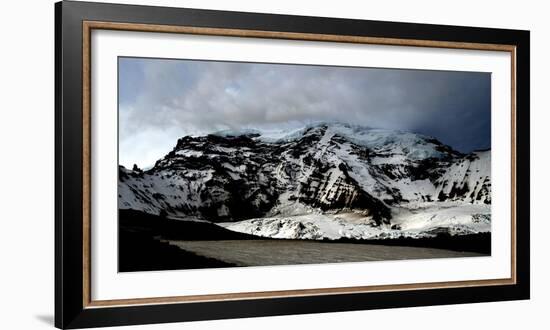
column 161, row 100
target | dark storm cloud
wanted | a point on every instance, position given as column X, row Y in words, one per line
column 161, row 100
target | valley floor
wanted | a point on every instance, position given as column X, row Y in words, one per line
column 291, row 252
column 149, row 242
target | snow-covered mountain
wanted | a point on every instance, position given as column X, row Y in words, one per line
column 322, row 181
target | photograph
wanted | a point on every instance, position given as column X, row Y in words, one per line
column 230, row 164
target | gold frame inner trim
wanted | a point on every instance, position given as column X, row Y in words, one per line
column 88, row 26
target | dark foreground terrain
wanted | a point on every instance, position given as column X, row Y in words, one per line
column 148, row 242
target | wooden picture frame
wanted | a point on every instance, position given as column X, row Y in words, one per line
column 74, row 306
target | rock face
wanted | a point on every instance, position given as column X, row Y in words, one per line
column 467, row 179
column 321, row 169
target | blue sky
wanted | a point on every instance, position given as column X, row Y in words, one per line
column 162, row 100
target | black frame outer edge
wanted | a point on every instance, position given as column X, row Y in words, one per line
column 58, row 292
column 69, row 311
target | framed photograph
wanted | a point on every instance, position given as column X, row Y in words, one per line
column 214, row 164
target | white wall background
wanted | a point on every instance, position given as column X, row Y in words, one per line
column 27, row 168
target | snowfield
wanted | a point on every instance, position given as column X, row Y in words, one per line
column 423, row 220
